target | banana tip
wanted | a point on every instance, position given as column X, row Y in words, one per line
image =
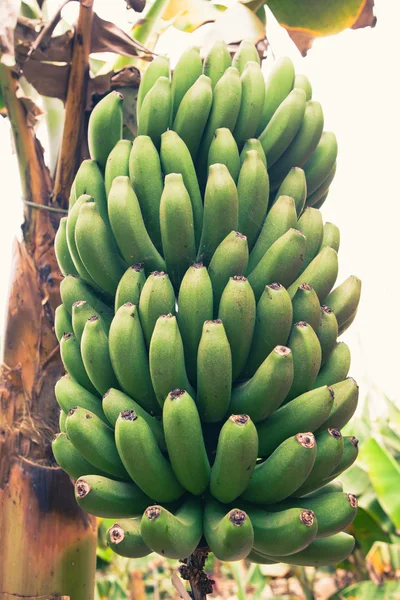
column 307, row 517
column 237, row 517
column 82, row 488
column 153, row 512
column 116, row 534
column 307, row 440
column 239, row 419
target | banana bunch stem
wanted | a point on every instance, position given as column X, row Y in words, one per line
column 192, row 570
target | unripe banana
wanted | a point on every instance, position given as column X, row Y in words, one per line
column 344, row 404
column 306, row 307
column 117, row 163
column 281, row 262
column 157, row 298
column 220, row 210
column 216, row 62
column 185, row 443
column 129, row 229
column 173, row 535
column 109, row 499
column 307, row 354
column 347, row 323
column 237, row 310
column 312, row 226
column 229, row 259
column 280, row 218
column 195, row 303
column 278, row 86
column 155, row 112
column 247, row 52
column 129, row 359
column 62, row 322
column 327, row 488
column 284, row 471
column 62, row 422
column 253, row 144
column 331, row 237
column 159, row 67
column 69, row 459
column 344, row 299
column 81, row 312
column 70, row 393
column 317, row 198
column 236, row 457
column 350, row 453
column 303, row 83
column 214, row 372
column 224, row 151
column 302, row 145
column 253, row 94
column 283, row 127
column 336, row 367
column 267, row 389
column 125, row 539
column 253, row 194
column 308, row 411
column 187, row 70
column 229, row 535
column 96, row 356
column 130, row 286
column 72, row 195
column 321, row 274
column 260, row 559
column 90, row 181
column 61, row 249
column 327, row 332
column 273, row 324
column 193, row 112
column 97, row 248
column 177, row 228
column 167, row 360
column 321, row 162
column 147, row 182
column 152, row 473
column 73, row 289
column 105, row 127
column 72, row 361
column 175, row 158
column 94, row 440
column 295, row 186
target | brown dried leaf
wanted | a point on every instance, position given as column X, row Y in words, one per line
column 237, row 23
column 128, row 77
column 48, row 79
column 107, row 37
column 367, row 17
column 9, row 10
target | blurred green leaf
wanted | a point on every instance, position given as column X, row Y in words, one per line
column 367, row 530
column 367, row 590
column 393, row 412
column 189, row 15
column 30, row 9
column 355, row 480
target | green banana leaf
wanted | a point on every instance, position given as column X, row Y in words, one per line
column 355, row 480
column 367, row 530
column 367, row 590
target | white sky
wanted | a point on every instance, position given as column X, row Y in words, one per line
column 355, row 75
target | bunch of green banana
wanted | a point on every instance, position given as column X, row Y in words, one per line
column 206, row 386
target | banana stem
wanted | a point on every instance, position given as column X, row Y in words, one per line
column 193, row 571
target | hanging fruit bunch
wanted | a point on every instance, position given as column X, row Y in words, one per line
column 206, row 386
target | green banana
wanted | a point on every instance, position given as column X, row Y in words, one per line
column 281, row 262
column 94, row 440
column 61, row 249
column 173, row 535
column 327, row 488
column 229, row 259
column 321, row 162
column 129, row 228
column 229, row 535
column 247, row 52
column 273, row 324
column 336, row 367
column 195, row 303
column 302, row 82
column 167, row 360
column 294, row 458
column 214, row 372
column 72, row 361
column 280, row 218
column 321, row 274
column 124, row 538
column 147, row 182
column 177, row 228
column 237, row 311
column 109, row 499
column 69, row 393
column 69, row 459
column 331, row 237
column 185, row 443
column 253, row 94
column 81, row 312
column 221, row 206
column 157, row 298
column 267, row 389
column 311, row 225
column 155, row 112
column 96, row 356
column 295, row 186
column 308, row 411
column 62, row 322
column 191, row 118
column 283, row 127
column 344, row 404
column 62, row 421
column 117, row 163
column 187, row 70
column 224, row 151
column 130, row 286
column 129, row 358
column 72, row 195
column 350, row 453
column 344, row 299
column 253, row 195
column 327, row 332
column 216, row 62
column 344, row 326
column 278, row 86
column 259, row 559
column 159, row 67
column 253, row 144
column 307, row 354
column 105, row 127
column 152, row 473
column 235, row 460
column 90, row 181
column 73, row 289
column 317, row 198
column 175, row 158
column 306, row 307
